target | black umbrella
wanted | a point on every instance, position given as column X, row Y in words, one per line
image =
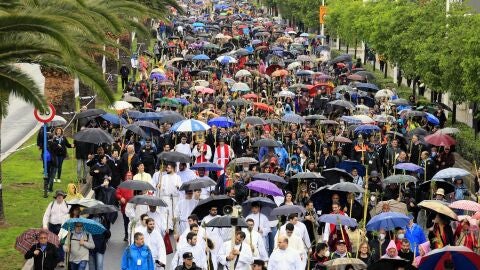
column 315, row 117
column 418, row 131
column 238, row 102
column 99, row 209
column 174, row 157
column 226, row 222
column 132, row 99
column 203, row 207
column 89, row 113
column 146, row 124
column 322, row 198
column 368, row 75
column 447, row 186
column 136, row 185
column 263, row 201
column 266, row 143
column 286, row 210
column 269, row 177
column 148, row 200
column 93, row 135
column 171, row 117
column 335, row 175
column 387, row 264
column 347, row 187
column 198, row 183
column 443, row 106
column 135, row 129
column 308, row 175
column 400, row 101
column 254, row 121
column 342, row 58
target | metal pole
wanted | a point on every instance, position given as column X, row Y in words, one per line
column 45, row 163
column 322, row 27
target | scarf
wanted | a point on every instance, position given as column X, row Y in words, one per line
column 202, row 158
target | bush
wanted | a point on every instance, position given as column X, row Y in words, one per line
column 467, row 146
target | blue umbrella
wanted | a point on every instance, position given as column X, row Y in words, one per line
column 338, row 220
column 208, row 166
column 89, row 225
column 134, row 114
column 256, row 41
column 432, row 119
column 369, row 87
column 221, row 121
column 149, row 116
column 449, row 173
column 388, row 221
column 201, row 57
column 182, row 101
column 277, row 49
column 114, row 119
column 198, row 24
column 304, row 73
column 366, row 129
column 409, row 167
column 349, row 165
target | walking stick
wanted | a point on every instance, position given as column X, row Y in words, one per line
column 365, row 196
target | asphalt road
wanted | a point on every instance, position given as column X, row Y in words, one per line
column 20, row 123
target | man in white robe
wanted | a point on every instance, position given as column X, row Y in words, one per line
column 261, row 222
column 183, row 209
column 198, row 252
column 154, row 241
column 284, row 258
column 294, row 243
column 300, row 230
column 157, row 213
column 239, row 254
column 186, row 175
column 255, row 241
column 168, row 188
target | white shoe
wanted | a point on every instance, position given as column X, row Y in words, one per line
column 54, row 180
column 59, row 181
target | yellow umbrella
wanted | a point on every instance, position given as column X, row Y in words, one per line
column 391, row 205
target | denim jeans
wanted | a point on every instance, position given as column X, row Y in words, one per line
column 82, row 265
column 96, row 261
column 82, row 169
column 58, row 170
column 271, row 240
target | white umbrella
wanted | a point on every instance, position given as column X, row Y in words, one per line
column 364, row 118
column 190, row 125
column 57, row 121
column 237, row 87
column 294, row 65
column 384, row 93
column 201, row 83
column 285, row 93
column 448, row 130
column 243, row 73
column 121, row 105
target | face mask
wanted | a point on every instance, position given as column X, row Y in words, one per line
column 382, row 236
column 327, row 253
column 245, row 169
column 401, row 236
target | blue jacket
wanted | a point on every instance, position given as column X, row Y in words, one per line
column 137, row 258
column 415, row 236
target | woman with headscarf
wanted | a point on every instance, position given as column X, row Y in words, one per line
column 424, row 248
column 464, row 236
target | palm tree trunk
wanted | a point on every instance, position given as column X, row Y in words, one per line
column 59, row 90
column 2, row 213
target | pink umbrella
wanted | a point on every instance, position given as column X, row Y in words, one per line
column 206, row 90
column 465, row 205
column 439, row 139
column 473, row 222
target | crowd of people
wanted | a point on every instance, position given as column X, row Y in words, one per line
column 262, row 152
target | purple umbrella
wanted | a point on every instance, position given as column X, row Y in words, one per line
column 265, row 187
column 409, row 167
column 158, row 76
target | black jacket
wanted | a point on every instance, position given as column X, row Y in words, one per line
column 61, row 145
column 46, row 260
column 182, row 267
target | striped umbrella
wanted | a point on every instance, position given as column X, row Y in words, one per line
column 461, row 257
column 190, row 125
column 28, row 238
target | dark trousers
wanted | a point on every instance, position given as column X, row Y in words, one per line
column 126, row 220
column 124, row 83
column 59, row 167
column 55, row 229
column 48, row 182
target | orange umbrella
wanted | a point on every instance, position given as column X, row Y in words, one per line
column 262, row 106
column 280, row 73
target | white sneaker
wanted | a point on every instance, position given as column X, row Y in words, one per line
column 54, row 180
column 59, row 181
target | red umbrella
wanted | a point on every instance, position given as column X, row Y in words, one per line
column 270, row 69
column 324, row 88
column 250, row 96
column 262, row 106
column 439, row 139
column 29, row 238
column 206, row 90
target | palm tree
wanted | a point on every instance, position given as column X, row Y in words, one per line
column 62, row 35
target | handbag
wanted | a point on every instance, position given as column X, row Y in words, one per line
column 29, row 265
column 168, row 243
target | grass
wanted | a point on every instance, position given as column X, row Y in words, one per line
column 23, row 198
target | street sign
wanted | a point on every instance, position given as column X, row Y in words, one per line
column 46, row 116
column 322, row 13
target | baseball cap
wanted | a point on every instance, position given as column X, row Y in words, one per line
column 187, row 255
